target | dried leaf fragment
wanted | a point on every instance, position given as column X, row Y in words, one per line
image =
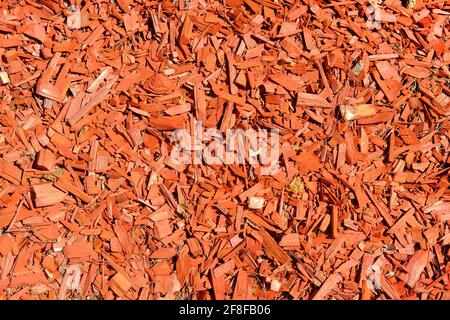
column 296, row 185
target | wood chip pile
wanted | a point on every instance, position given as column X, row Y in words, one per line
column 93, row 206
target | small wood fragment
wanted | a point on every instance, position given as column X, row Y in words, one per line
column 47, row 195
